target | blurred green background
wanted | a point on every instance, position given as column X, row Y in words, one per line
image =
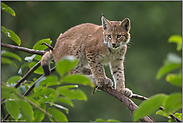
column 152, row 23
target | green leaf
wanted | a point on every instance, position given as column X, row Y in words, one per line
column 109, row 120
column 173, row 103
column 171, row 63
column 33, row 100
column 80, row 95
column 176, row 39
column 14, row 79
column 73, row 94
column 61, row 107
column 57, row 115
column 38, row 45
column 7, row 91
column 46, row 80
column 65, row 100
column 30, row 58
column 52, row 84
column 11, row 35
column 26, row 109
column 112, row 120
column 8, row 61
column 8, row 9
column 67, row 87
column 39, row 70
column 178, row 115
column 77, row 79
column 12, row 108
column 38, row 57
column 11, row 55
column 149, row 106
column 45, row 99
column 43, row 92
column 99, row 120
column 162, row 113
column 39, row 115
column 66, row 64
column 174, row 79
column 22, row 67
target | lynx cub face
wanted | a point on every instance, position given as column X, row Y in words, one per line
column 116, row 34
column 95, row 46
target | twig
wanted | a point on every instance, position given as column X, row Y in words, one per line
column 171, row 115
column 35, row 105
column 25, row 76
column 28, row 74
column 28, row 91
column 136, row 96
column 161, row 107
column 126, row 101
column 129, row 103
column 49, row 46
column 32, row 51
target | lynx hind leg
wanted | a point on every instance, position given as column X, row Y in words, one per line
column 100, row 82
column 104, row 82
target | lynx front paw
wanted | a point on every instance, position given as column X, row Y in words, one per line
column 127, row 92
column 102, row 82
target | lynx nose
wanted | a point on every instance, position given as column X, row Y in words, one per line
column 113, row 44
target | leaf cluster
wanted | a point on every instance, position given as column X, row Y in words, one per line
column 50, row 93
column 172, row 102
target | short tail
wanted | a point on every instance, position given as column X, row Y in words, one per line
column 45, row 62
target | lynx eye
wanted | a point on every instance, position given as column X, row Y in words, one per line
column 118, row 36
column 109, row 36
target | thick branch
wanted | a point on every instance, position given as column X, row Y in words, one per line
column 32, row 51
column 126, row 101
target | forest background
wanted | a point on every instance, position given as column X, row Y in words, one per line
column 152, row 23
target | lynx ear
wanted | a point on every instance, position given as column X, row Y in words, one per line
column 126, row 24
column 105, row 23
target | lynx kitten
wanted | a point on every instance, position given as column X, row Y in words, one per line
column 95, row 46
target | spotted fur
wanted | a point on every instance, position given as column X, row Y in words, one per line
column 96, row 46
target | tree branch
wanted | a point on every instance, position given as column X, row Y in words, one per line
column 25, row 77
column 28, row 91
column 126, row 101
column 35, row 105
column 32, row 51
column 161, row 107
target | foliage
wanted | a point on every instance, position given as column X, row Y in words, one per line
column 49, row 94
column 155, row 14
column 109, row 120
column 172, row 102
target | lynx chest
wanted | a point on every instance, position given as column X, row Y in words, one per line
column 112, row 55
